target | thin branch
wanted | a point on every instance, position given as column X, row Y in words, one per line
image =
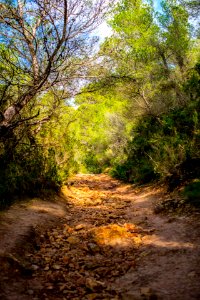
column 15, row 124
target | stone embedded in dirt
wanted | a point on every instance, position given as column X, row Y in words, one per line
column 145, row 253
column 94, row 248
column 158, row 208
column 113, row 216
column 98, row 202
column 92, row 296
column 113, row 205
column 94, row 284
column 62, row 287
column 66, row 259
column 56, row 267
column 89, row 202
column 30, row 292
column 81, row 281
column 67, row 229
column 66, row 233
column 73, row 240
column 49, row 287
column 115, row 273
column 84, row 247
column 68, row 218
column 79, row 227
column 146, row 291
column 131, row 227
column 34, row 267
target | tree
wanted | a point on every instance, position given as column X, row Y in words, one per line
column 193, row 6
column 100, row 128
column 150, row 57
column 44, row 44
column 152, row 49
column 175, row 32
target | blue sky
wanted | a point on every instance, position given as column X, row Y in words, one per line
column 157, row 5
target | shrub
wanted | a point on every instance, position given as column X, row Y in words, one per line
column 26, row 171
column 192, row 193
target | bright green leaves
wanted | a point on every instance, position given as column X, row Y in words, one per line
column 134, row 25
column 175, row 31
column 100, row 130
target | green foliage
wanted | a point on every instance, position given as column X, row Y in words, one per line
column 91, row 163
column 26, row 171
column 175, row 31
column 121, row 171
column 37, row 159
column 59, row 136
column 192, row 193
column 138, row 167
column 100, row 130
column 140, row 171
column 160, row 146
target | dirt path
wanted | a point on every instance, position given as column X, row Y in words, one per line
column 103, row 241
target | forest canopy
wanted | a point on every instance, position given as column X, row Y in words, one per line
column 131, row 108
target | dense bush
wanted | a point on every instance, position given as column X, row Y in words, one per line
column 192, row 193
column 25, row 170
column 91, row 163
column 168, row 146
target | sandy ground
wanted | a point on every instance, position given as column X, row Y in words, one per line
column 99, row 240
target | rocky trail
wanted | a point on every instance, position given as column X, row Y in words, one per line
column 103, row 240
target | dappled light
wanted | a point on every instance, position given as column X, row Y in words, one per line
column 117, row 236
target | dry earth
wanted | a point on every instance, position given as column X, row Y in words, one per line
column 102, row 241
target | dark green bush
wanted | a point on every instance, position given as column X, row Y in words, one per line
column 163, row 147
column 91, row 163
column 121, row 171
column 192, row 193
column 25, row 170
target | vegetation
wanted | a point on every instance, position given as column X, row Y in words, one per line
column 136, row 114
